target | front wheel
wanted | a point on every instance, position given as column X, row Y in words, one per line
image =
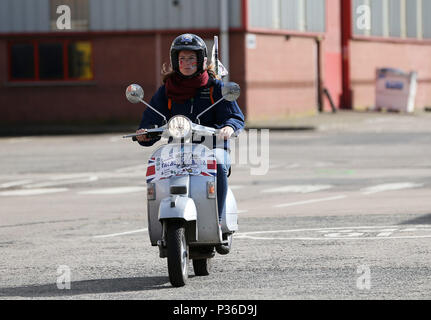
column 177, row 254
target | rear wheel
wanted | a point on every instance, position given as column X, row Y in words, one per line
column 177, row 253
column 202, row 267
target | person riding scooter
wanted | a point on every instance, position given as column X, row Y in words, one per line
column 191, row 86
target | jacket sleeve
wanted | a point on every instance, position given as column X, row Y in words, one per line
column 228, row 112
column 150, row 118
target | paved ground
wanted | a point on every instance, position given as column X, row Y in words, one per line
column 341, row 212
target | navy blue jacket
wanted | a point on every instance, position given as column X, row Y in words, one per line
column 223, row 114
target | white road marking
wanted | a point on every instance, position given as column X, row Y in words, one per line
column 292, row 166
column 242, row 211
column 291, row 204
column 14, row 183
column 62, row 181
column 119, row 190
column 19, row 140
column 236, row 187
column 343, row 233
column 121, row 233
column 140, row 167
column 390, row 187
column 115, row 139
column 32, row 192
column 298, row 189
column 386, row 232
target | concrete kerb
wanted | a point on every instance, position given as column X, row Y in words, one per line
column 340, row 119
column 320, row 121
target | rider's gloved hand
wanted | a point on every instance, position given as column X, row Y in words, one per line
column 226, row 132
column 142, row 138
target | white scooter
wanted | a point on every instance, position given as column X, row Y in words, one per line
column 182, row 208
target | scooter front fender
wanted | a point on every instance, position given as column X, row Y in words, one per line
column 177, row 207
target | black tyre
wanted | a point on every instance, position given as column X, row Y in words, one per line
column 202, row 267
column 225, row 248
column 177, row 254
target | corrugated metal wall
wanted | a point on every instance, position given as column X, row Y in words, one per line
column 296, row 15
column 395, row 18
column 114, row 15
column 426, row 9
column 160, row 14
column 377, row 18
column 24, row 16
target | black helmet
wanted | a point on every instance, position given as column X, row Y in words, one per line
column 190, row 42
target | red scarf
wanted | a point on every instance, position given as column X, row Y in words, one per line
column 181, row 89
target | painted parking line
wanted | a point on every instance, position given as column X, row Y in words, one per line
column 298, row 203
column 390, row 187
column 236, row 187
column 14, row 183
column 119, row 190
column 57, row 181
column 342, row 233
column 298, row 189
column 121, row 233
column 32, row 192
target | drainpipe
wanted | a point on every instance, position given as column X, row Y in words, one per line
column 319, row 73
column 346, row 35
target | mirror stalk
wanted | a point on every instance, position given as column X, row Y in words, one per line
column 164, row 118
column 197, row 117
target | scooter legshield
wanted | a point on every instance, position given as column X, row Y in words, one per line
column 177, row 207
column 162, row 171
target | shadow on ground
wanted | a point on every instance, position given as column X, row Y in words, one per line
column 88, row 287
column 426, row 219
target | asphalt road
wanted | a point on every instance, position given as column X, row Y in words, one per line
column 341, row 212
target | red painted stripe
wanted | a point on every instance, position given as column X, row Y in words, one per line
column 151, row 171
column 211, row 164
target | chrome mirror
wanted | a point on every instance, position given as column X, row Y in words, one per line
column 231, row 91
column 134, row 93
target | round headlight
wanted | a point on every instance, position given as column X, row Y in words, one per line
column 179, row 127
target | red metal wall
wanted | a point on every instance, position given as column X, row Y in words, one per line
column 281, row 77
column 367, row 56
column 278, row 78
column 118, row 61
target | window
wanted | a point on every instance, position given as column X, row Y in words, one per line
column 79, row 64
column 50, row 60
column 22, row 62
